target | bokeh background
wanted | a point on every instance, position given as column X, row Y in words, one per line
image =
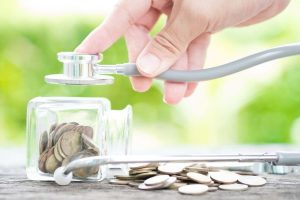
column 259, row 105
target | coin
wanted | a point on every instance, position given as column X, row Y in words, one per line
column 177, row 185
column 118, row 182
column 88, row 142
column 61, row 131
column 170, row 169
column 57, row 155
column 124, row 177
column 58, row 147
column 169, row 182
column 224, row 177
column 202, row 170
column 140, row 171
column 160, row 185
column 252, row 180
column 42, row 160
column 51, row 164
column 139, row 165
column 159, row 179
column 212, row 189
column 71, row 143
column 43, row 142
column 200, row 178
column 88, row 131
column 143, row 186
column 183, row 178
column 246, row 173
column 52, row 134
column 85, row 171
column 79, row 129
column 234, row 186
column 145, row 175
column 193, row 189
column 133, row 184
column 52, row 127
column 50, row 140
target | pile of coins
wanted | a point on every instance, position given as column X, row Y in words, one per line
column 187, row 179
column 67, row 142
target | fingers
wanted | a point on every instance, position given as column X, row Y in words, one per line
column 277, row 7
column 174, row 92
column 196, row 57
column 136, row 39
column 125, row 13
column 170, row 44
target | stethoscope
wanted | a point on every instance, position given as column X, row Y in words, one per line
column 63, row 175
column 83, row 69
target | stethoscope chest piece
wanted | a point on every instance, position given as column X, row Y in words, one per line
column 78, row 69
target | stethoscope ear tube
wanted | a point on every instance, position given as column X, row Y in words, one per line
column 221, row 70
column 288, row 158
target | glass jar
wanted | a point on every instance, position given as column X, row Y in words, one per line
column 63, row 129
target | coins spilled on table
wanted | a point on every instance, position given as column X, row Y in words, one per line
column 65, row 143
column 188, row 179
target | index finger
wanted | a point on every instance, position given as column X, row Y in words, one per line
column 124, row 14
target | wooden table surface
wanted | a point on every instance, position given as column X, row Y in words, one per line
column 15, row 185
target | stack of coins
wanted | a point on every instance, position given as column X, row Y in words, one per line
column 64, row 143
column 190, row 179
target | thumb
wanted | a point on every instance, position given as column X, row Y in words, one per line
column 168, row 46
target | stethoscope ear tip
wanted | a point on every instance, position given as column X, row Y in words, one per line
column 60, row 178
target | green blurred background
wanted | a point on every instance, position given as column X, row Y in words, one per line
column 260, row 105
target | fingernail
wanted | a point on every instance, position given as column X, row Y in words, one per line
column 149, row 63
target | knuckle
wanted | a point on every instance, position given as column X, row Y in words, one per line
column 123, row 11
column 168, row 42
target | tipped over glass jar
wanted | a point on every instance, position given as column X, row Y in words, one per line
column 63, row 129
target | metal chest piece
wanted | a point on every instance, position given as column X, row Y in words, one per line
column 79, row 70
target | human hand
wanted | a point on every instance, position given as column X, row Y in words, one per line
column 182, row 43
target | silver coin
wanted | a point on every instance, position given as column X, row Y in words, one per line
column 143, row 186
column 252, row 180
column 133, row 184
column 88, row 131
column 71, row 143
column 85, row 171
column 118, row 182
column 169, row 182
column 61, row 131
column 224, row 177
column 234, row 187
column 88, row 142
column 52, row 127
column 176, row 185
column 170, row 169
column 43, row 142
column 124, row 177
column 133, row 172
column 140, row 165
column 212, row 189
column 193, row 189
column 200, row 178
column 159, row 179
column 145, row 175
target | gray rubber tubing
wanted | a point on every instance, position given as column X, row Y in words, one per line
column 222, row 70
column 288, row 158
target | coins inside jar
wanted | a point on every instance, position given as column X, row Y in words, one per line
column 65, row 143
